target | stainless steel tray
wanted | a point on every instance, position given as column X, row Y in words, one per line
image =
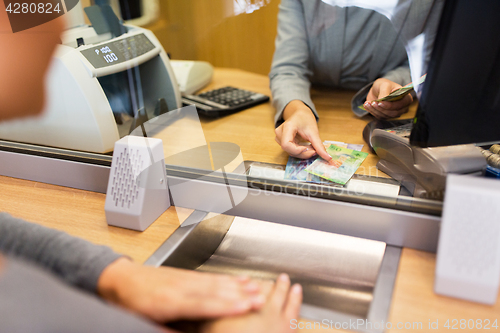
column 344, row 278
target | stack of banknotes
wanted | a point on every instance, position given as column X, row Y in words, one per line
column 398, row 94
column 346, row 160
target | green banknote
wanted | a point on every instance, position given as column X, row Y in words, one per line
column 296, row 167
column 345, row 163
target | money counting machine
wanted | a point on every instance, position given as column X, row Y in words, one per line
column 100, row 87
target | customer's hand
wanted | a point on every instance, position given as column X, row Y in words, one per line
column 282, row 306
column 383, row 110
column 300, row 124
column 167, row 294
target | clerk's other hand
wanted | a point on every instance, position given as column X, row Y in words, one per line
column 167, row 294
column 300, row 125
column 282, row 306
column 384, row 110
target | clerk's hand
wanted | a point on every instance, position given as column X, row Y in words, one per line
column 282, row 306
column 300, row 125
column 167, row 294
column 383, row 110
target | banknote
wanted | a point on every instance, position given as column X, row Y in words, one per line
column 352, row 146
column 337, row 143
column 295, row 167
column 345, row 163
column 398, row 94
column 296, row 170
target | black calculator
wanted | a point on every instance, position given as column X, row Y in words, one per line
column 224, row 101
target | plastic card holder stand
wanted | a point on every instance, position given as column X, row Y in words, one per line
column 468, row 257
column 137, row 191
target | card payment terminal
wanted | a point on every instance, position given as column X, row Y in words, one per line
column 422, row 171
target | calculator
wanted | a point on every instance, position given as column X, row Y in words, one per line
column 224, row 101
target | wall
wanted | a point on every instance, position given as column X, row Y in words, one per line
column 210, row 30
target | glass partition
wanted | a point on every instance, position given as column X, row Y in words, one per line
column 109, row 79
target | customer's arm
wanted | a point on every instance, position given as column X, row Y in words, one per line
column 161, row 294
column 34, row 300
column 76, row 261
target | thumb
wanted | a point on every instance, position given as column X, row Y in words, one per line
column 386, row 88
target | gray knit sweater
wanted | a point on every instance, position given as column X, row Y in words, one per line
column 49, row 281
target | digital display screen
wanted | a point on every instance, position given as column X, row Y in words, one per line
column 118, row 51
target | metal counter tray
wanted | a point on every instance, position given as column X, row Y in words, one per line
column 344, row 278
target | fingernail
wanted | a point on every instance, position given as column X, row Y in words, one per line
column 381, row 104
column 283, row 277
column 297, row 289
column 305, row 150
column 374, row 104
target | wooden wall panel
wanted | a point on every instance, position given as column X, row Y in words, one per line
column 211, row 31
